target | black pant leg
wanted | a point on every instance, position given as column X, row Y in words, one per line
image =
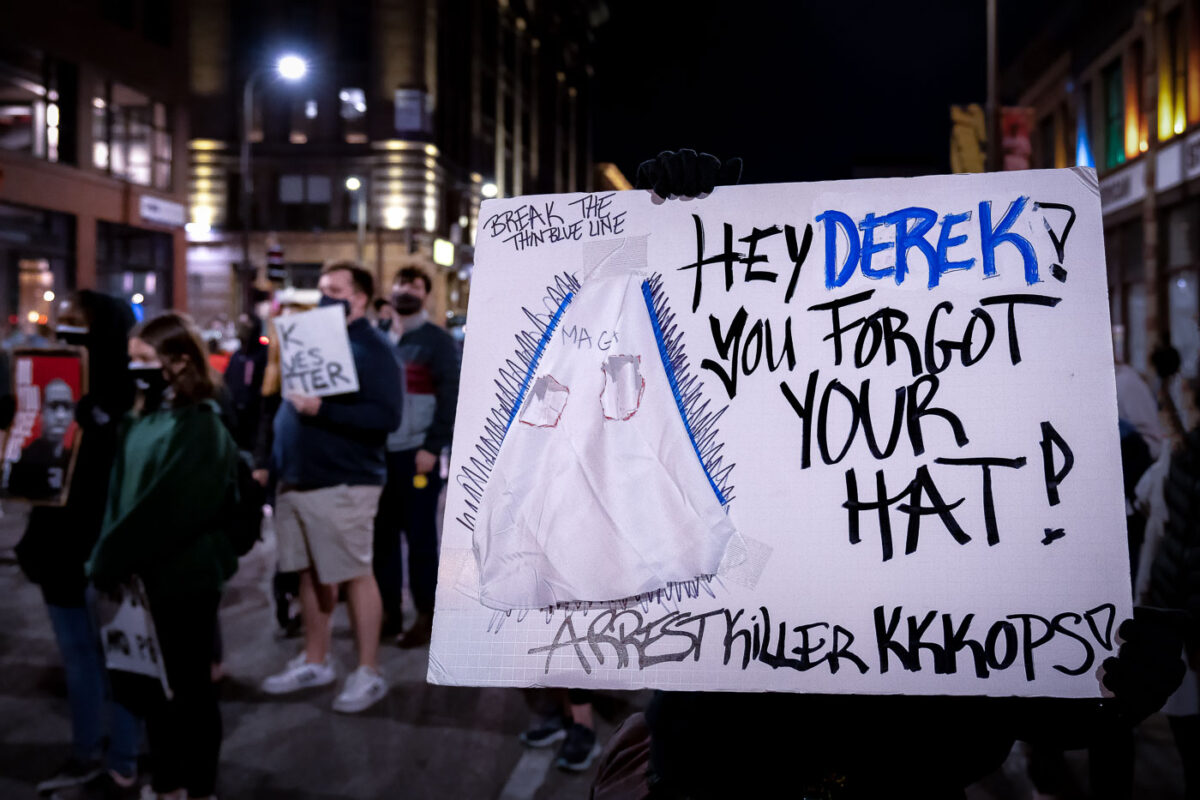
column 188, row 726
column 386, row 561
column 420, row 529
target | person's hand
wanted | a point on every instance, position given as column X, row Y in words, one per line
column 305, row 405
column 686, row 173
column 1148, row 667
column 261, row 476
column 426, row 461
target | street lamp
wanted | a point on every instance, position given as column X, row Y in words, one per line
column 355, row 186
column 290, row 67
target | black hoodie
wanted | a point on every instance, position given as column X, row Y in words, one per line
column 58, row 540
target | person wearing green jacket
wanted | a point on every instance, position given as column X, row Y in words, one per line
column 172, row 487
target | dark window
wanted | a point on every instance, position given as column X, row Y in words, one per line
column 135, row 264
column 37, row 105
column 131, row 137
column 156, row 21
column 119, row 12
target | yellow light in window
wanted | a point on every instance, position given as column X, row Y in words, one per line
column 443, row 252
column 393, row 217
column 1143, row 146
column 1179, row 125
column 202, row 215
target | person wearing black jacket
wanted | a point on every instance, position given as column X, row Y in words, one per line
column 329, row 454
column 1175, row 581
column 429, row 359
column 58, row 540
column 718, row 745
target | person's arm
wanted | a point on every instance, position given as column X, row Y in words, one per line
column 377, row 407
column 444, row 368
column 182, row 498
column 265, row 437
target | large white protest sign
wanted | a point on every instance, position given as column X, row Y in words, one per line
column 314, row 353
column 854, row 437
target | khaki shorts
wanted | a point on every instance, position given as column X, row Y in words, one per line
column 330, row 530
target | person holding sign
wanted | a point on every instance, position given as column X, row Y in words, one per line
column 167, row 522
column 59, row 539
column 329, row 454
column 726, row 744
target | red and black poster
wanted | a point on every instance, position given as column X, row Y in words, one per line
column 40, row 446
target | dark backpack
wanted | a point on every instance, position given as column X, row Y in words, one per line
column 245, row 525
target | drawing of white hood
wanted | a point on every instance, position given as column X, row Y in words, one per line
column 599, row 492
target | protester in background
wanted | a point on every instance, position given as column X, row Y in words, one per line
column 285, row 586
column 244, row 379
column 167, row 523
column 58, row 540
column 414, row 481
column 1173, row 581
column 1137, row 406
column 385, row 319
column 330, row 456
column 573, row 724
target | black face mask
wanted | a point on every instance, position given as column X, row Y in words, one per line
column 73, row 336
column 326, row 300
column 152, row 383
column 406, row 304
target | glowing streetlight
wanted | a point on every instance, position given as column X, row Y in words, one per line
column 138, row 299
column 48, row 296
column 291, row 67
column 489, row 190
column 353, row 183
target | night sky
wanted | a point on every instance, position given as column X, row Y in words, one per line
column 801, row 90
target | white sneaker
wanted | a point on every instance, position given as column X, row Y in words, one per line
column 299, row 674
column 363, row 689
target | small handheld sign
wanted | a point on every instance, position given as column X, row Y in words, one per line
column 314, row 353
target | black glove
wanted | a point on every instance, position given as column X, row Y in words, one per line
column 686, row 173
column 1149, row 666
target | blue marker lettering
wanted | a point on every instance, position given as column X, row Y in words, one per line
column 945, row 242
column 990, row 237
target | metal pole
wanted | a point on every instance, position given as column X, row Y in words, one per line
column 247, row 181
column 993, row 94
column 362, row 223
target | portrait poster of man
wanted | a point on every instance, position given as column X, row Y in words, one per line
column 40, row 445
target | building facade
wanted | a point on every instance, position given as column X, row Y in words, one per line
column 93, row 148
column 410, row 112
column 1116, row 86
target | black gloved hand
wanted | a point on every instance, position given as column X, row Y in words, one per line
column 686, row 173
column 1149, row 666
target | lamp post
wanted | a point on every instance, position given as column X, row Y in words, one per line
column 355, row 187
column 290, row 67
